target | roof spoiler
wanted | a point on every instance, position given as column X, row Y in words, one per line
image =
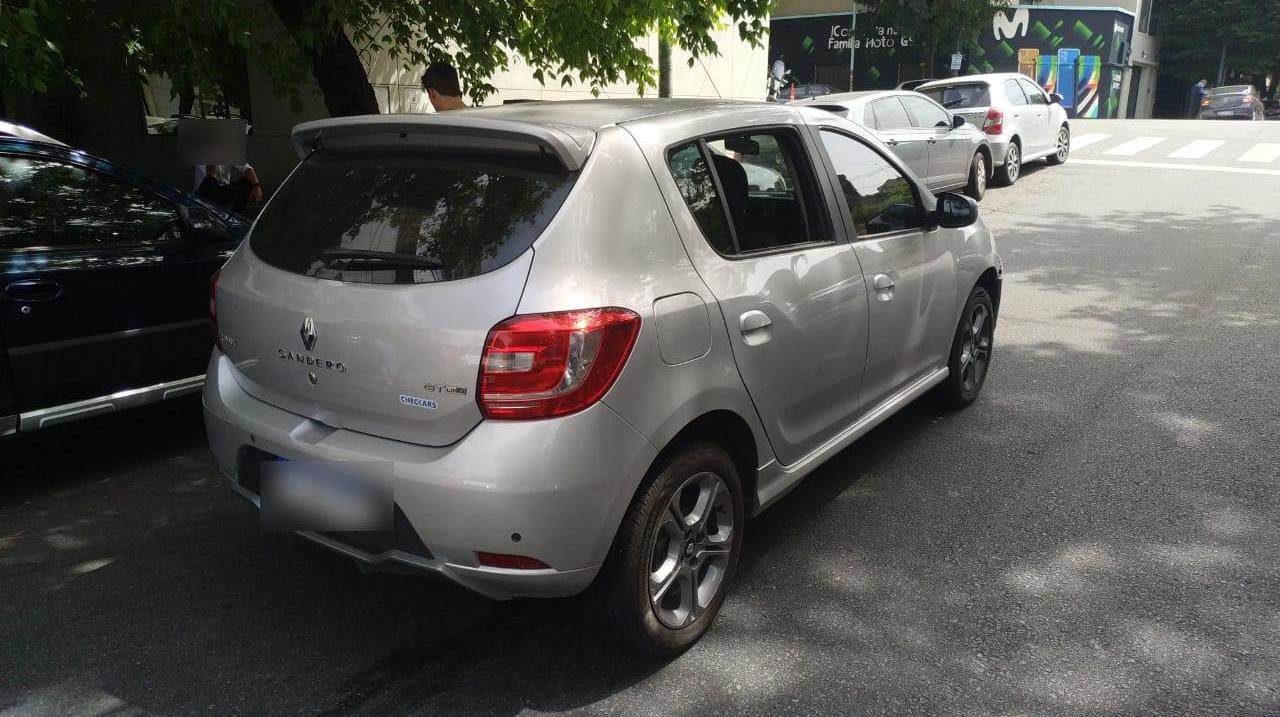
column 452, row 130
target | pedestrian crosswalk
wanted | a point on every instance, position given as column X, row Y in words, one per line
column 1153, row 147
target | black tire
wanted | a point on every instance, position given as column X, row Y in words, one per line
column 1008, row 173
column 1061, row 146
column 960, row 388
column 622, row 588
column 978, row 176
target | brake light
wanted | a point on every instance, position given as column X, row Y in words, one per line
column 1248, row 99
column 545, row 365
column 994, row 124
column 213, row 308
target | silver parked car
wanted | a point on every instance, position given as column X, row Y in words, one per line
column 942, row 149
column 1022, row 122
column 535, row 347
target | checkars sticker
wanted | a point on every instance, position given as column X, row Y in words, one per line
column 418, row 402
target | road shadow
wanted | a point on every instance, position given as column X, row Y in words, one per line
column 1094, row 536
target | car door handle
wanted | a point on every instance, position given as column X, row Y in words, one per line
column 892, row 143
column 933, row 140
column 33, row 290
column 754, row 320
column 882, row 285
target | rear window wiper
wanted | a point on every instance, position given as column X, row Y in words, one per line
column 357, row 259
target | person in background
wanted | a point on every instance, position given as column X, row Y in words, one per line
column 1199, row 91
column 440, row 82
column 214, row 183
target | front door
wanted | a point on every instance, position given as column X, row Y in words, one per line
column 908, row 269
column 948, row 152
column 908, row 142
column 101, row 292
column 791, row 294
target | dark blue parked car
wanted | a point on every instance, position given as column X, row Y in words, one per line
column 104, row 286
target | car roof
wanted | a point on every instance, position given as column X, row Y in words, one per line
column 991, row 77
column 567, row 129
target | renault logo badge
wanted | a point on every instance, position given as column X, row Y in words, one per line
column 308, row 333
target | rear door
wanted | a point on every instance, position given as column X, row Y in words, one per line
column 366, row 290
column 790, row 292
column 907, row 266
column 102, row 290
column 948, row 151
column 894, row 127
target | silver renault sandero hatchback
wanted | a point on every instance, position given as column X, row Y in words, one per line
column 543, row 347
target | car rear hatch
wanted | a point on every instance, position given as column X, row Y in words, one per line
column 371, row 280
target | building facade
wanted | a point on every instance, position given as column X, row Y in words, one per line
column 1101, row 59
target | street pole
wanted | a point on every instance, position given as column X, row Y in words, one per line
column 1222, row 66
column 664, row 67
column 853, row 33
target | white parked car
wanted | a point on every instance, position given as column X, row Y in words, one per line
column 1022, row 122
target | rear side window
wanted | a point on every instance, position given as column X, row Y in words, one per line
column 960, row 97
column 890, row 115
column 750, row 191
column 408, row 218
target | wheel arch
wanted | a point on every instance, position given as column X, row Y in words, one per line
column 990, row 280
column 728, row 430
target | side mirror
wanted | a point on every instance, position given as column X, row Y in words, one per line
column 956, row 210
column 1055, row 98
column 957, row 121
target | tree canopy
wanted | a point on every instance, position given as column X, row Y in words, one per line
column 589, row 43
column 1193, row 34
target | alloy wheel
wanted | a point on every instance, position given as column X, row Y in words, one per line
column 1064, row 144
column 691, row 548
column 975, row 352
column 981, row 168
column 1013, row 163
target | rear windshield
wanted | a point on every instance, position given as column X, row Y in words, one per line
column 1231, row 90
column 959, row 97
column 406, row 218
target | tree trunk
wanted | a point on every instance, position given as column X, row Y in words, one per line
column 334, row 61
column 664, row 67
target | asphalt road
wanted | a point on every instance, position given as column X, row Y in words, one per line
column 1095, row 536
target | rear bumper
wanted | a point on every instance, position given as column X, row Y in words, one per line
column 1234, row 113
column 999, row 150
column 563, row 485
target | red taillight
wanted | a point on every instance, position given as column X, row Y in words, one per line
column 510, row 562
column 994, row 124
column 545, row 365
column 213, row 308
column 1247, row 99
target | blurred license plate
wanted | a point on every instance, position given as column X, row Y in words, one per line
column 1225, row 112
column 326, row 495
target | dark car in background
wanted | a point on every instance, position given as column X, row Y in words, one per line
column 104, row 286
column 795, row 93
column 1232, row 102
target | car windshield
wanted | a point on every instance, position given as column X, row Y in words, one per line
column 1231, row 90
column 959, row 97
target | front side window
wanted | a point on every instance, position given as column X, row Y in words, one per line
column 890, row 115
column 925, row 114
column 878, row 197
column 52, row 204
column 374, row 218
column 749, row 192
column 1013, row 90
column 1034, row 94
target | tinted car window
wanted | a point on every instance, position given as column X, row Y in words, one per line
column 762, row 185
column 960, row 97
column 406, row 218
column 1013, row 90
column 878, row 197
column 689, row 168
column 925, row 113
column 1231, row 90
column 48, row 203
column 890, row 115
column 1034, row 94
